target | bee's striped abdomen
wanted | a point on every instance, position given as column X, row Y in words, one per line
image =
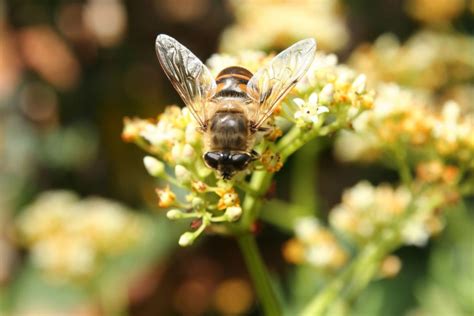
column 232, row 82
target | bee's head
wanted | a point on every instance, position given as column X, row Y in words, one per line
column 227, row 163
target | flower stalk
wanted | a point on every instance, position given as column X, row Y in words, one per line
column 259, row 274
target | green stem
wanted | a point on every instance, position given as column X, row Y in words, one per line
column 289, row 137
column 259, row 275
column 297, row 137
column 112, row 302
column 303, row 188
column 355, row 277
column 259, row 184
column 244, row 186
column 251, row 206
column 403, row 167
column 364, row 267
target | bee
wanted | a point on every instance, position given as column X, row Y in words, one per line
column 233, row 107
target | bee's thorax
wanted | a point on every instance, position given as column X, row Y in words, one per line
column 232, row 82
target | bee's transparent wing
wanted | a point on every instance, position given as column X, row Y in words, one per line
column 271, row 83
column 189, row 76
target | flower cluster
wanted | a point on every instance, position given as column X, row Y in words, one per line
column 402, row 121
column 437, row 11
column 314, row 245
column 428, row 59
column 276, row 27
column 328, row 98
column 367, row 212
column 175, row 141
column 70, row 238
column 329, row 87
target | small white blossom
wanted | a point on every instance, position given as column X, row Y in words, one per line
column 161, row 133
column 320, row 255
column 306, row 228
column 308, row 111
column 415, row 233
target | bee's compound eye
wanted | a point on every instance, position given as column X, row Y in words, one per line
column 240, row 161
column 212, row 159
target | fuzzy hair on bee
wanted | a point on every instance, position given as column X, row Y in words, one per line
column 231, row 108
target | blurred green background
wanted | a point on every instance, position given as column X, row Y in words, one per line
column 70, row 71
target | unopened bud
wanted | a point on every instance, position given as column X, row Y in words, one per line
column 188, row 153
column 191, row 134
column 233, row 213
column 390, row 266
column 326, row 96
column 359, row 84
column 182, row 174
column 177, row 152
column 154, row 167
column 186, row 239
column 174, row 214
column 197, row 202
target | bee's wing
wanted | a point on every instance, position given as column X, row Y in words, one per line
column 272, row 82
column 189, row 76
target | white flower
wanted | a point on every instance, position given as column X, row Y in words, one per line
column 450, row 127
column 306, row 228
column 322, row 61
column 162, row 133
column 320, row 255
column 361, row 196
column 415, row 233
column 308, row 111
column 344, row 77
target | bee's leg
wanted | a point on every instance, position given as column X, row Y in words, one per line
column 254, row 129
column 254, row 155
